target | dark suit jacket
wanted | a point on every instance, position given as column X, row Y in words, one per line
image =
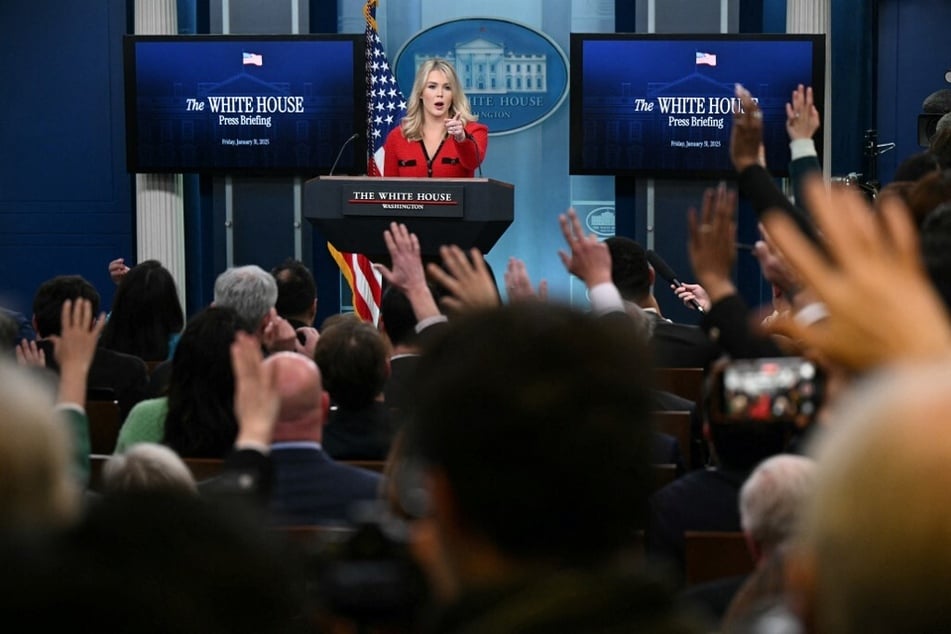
column 396, row 392
column 127, row 376
column 728, row 321
column 310, row 488
column 680, row 346
column 702, row 500
column 364, row 434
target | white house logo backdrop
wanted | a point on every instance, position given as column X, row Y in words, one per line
column 514, row 76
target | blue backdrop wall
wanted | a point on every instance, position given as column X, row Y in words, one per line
column 65, row 198
column 66, row 201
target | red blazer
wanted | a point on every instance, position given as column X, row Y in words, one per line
column 452, row 160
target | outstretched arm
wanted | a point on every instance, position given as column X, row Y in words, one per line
column 407, row 272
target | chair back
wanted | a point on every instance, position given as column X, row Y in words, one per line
column 684, row 382
column 677, row 424
column 371, row 465
column 204, row 468
column 713, row 555
column 105, row 419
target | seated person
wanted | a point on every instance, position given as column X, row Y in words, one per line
column 309, row 487
column 352, row 360
column 125, row 375
column 197, row 418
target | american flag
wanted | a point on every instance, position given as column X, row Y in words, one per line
column 254, row 59
column 706, row 58
column 386, row 105
column 385, row 108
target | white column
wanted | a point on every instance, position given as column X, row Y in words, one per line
column 159, row 206
column 815, row 16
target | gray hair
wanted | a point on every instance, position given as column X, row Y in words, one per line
column 772, row 498
column 249, row 290
column 147, row 467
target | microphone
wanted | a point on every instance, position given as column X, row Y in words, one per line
column 353, row 137
column 478, row 154
column 663, row 269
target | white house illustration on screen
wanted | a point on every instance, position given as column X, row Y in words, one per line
column 485, row 67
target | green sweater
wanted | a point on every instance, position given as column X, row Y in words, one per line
column 145, row 423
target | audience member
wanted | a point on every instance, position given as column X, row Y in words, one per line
column 125, row 375
column 707, row 499
column 398, row 326
column 197, row 418
column 673, row 345
column 928, row 193
column 22, row 325
column 44, row 455
column 936, row 250
column 296, row 293
column 771, row 506
column 874, row 554
column 309, row 487
column 525, row 438
column 146, row 318
column 916, row 166
column 352, row 360
column 147, row 468
column 37, row 487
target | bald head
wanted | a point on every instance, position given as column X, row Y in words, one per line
column 878, row 530
column 303, row 400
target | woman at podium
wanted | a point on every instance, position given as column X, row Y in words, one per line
column 439, row 136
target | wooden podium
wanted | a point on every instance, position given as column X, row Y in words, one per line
column 352, row 212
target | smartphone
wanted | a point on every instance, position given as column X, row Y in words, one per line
column 780, row 389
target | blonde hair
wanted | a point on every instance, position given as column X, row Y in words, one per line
column 412, row 123
column 37, row 485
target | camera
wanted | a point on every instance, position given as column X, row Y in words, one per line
column 771, row 390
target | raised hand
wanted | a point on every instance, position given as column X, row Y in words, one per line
column 880, row 306
column 75, row 348
column 518, row 284
column 407, row 272
column 746, row 135
column 470, row 285
column 712, row 242
column 117, row 270
column 802, row 117
column 256, row 399
column 587, row 258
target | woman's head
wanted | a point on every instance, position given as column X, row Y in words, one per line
column 145, row 312
column 436, row 83
column 200, row 420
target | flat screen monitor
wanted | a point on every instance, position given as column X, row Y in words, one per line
column 662, row 105
column 282, row 104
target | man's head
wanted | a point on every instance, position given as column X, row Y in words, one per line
column 249, row 290
column 630, row 270
column 532, row 422
column 49, row 298
column 296, row 292
column 772, row 498
column 352, row 359
column 877, row 532
column 398, row 320
column 303, row 400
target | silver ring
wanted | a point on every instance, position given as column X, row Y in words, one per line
column 757, row 114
